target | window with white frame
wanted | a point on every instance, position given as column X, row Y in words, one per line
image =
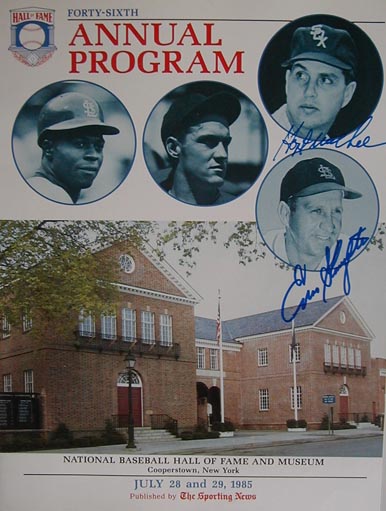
column 294, row 352
column 28, row 381
column 200, row 358
column 358, row 358
column 263, row 400
column 147, row 322
column 166, row 329
column 129, row 324
column 108, row 326
column 327, row 354
column 26, row 320
column 213, row 359
column 351, row 362
column 5, row 327
column 86, row 325
column 299, row 398
column 343, row 356
column 335, row 355
column 126, row 263
column 7, row 382
column 262, row 357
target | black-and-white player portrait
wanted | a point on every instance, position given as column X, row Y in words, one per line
column 205, row 143
column 315, row 208
column 320, row 77
column 73, row 142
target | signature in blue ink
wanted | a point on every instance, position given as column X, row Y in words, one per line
column 334, row 263
column 293, row 145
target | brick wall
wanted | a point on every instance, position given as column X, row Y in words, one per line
column 277, row 377
column 78, row 382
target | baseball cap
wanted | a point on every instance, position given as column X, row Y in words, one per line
column 316, row 175
column 194, row 108
column 72, row 110
column 324, row 44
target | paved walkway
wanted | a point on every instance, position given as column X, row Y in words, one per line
column 244, row 439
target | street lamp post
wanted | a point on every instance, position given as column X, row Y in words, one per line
column 130, row 361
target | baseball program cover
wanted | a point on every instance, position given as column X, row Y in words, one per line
column 192, row 264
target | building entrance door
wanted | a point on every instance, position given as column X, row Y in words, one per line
column 214, row 400
column 343, row 403
column 123, row 400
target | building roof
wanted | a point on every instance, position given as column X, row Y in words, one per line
column 263, row 323
column 162, row 265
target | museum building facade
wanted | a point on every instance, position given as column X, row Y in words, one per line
column 80, row 378
column 332, row 352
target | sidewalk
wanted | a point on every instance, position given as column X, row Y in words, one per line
column 244, row 439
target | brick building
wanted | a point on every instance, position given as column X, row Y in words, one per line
column 332, row 357
column 81, row 379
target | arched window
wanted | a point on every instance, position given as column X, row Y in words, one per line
column 343, row 391
column 123, row 380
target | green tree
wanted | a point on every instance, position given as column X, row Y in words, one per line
column 53, row 269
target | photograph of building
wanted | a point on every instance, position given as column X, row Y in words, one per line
column 332, row 356
column 80, row 377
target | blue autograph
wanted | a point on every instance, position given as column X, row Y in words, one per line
column 327, row 274
column 294, row 145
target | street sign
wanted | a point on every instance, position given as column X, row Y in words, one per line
column 382, row 372
column 328, row 399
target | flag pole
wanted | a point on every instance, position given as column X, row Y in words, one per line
column 293, row 353
column 219, row 340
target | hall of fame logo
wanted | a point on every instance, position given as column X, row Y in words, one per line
column 32, row 35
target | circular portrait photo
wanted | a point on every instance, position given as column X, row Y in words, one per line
column 320, row 77
column 317, row 208
column 73, row 142
column 205, row 143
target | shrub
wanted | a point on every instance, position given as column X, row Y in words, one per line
column 198, row 435
column 201, row 428
column 344, row 425
column 186, row 435
column 212, row 434
column 61, row 433
column 172, row 427
column 223, row 426
column 325, row 421
column 23, row 442
column 292, row 423
column 84, row 441
column 61, row 437
column 110, row 435
column 365, row 418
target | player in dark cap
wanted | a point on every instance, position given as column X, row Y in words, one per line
column 70, row 132
column 319, row 81
column 311, row 209
column 196, row 136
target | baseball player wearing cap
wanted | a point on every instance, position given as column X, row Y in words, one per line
column 195, row 133
column 70, row 132
column 319, row 81
column 311, row 210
